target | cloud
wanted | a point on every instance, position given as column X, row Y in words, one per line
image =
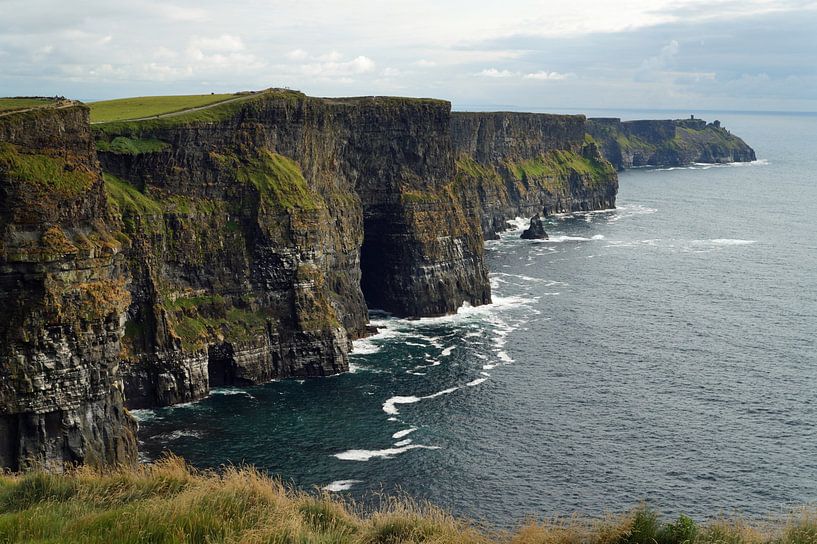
column 297, row 55
column 543, row 75
column 633, row 53
column 493, row 72
column 358, row 65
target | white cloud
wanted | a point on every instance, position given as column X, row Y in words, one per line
column 223, row 43
column 297, row 55
column 356, row 66
column 543, row 75
column 423, row 63
column 493, row 72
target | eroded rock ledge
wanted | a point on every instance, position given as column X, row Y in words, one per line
column 143, row 263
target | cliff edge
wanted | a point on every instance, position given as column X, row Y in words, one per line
column 679, row 142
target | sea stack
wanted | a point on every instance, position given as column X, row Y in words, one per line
column 536, row 230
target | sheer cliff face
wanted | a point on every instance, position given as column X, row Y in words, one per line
column 63, row 298
column 257, row 230
column 522, row 164
column 667, row 143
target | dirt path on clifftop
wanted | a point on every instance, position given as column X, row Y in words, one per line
column 180, row 112
column 44, row 106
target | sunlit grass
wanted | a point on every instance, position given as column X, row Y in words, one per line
column 170, row 503
column 149, row 106
column 10, row 104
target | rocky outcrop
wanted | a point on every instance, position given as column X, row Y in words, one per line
column 523, row 164
column 536, row 229
column 258, row 228
column 628, row 144
column 63, row 296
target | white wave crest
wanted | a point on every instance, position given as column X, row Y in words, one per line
column 404, row 432
column 144, row 414
column 341, row 485
column 175, row 435
column 390, row 406
column 388, row 453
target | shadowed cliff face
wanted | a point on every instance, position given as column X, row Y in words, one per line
column 523, row 164
column 257, row 233
column 667, row 142
column 63, row 297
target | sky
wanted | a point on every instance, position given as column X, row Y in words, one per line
column 537, row 54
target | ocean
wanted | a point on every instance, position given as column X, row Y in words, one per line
column 663, row 352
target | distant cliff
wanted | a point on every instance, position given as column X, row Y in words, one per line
column 522, row 164
column 667, row 143
column 144, row 262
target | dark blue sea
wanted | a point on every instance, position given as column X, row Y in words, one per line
column 663, row 351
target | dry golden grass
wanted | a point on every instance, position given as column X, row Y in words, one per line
column 168, row 502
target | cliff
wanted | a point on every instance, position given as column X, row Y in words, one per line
column 63, row 297
column 524, row 164
column 144, row 262
column 262, row 230
column 667, row 143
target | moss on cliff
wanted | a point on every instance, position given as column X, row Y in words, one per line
column 553, row 170
column 201, row 320
column 131, row 146
column 54, row 174
column 278, row 179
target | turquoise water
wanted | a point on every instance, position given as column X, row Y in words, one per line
column 663, row 351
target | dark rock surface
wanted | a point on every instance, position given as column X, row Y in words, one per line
column 257, row 232
column 63, row 296
column 523, row 164
column 667, row 142
column 536, row 230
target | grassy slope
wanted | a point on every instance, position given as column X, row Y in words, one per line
column 10, row 104
column 149, row 106
column 169, row 503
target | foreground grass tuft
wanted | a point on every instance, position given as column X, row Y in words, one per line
column 168, row 502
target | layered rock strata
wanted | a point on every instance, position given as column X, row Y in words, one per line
column 63, row 294
column 680, row 142
column 258, row 228
column 523, row 164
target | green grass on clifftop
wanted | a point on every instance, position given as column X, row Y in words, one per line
column 149, row 106
column 11, row 104
column 169, row 503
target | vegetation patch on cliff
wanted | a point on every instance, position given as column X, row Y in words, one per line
column 554, row 169
column 49, row 173
column 199, row 320
column 131, row 146
column 168, row 502
column 133, row 205
column 278, row 179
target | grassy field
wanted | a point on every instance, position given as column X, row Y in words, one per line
column 148, row 106
column 170, row 503
column 10, row 104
